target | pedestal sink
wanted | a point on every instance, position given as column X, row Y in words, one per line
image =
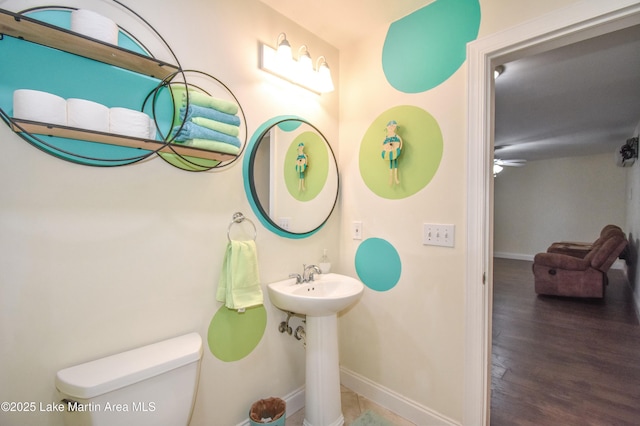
column 320, row 300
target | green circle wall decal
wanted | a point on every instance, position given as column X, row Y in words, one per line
column 305, row 185
column 425, row 48
column 233, row 335
column 419, row 159
column 378, row 264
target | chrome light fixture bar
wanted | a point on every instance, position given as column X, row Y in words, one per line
column 300, row 71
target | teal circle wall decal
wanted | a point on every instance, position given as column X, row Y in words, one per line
column 425, row 48
column 422, row 148
column 378, row 264
column 233, row 335
column 289, row 125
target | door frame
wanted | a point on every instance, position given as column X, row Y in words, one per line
column 580, row 21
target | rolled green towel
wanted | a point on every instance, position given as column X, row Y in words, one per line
column 202, row 99
column 211, row 145
column 225, row 128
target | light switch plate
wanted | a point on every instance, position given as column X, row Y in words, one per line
column 357, row 230
column 284, row 223
column 437, row 234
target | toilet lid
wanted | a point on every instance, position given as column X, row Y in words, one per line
column 107, row 374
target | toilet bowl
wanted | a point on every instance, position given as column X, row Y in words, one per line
column 152, row 385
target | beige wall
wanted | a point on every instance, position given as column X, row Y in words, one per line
column 410, row 339
column 99, row 260
column 562, row 199
column 633, row 224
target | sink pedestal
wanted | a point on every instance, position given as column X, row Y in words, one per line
column 322, row 390
column 320, row 300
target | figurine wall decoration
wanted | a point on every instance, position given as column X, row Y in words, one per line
column 412, row 152
column 391, row 149
column 302, row 162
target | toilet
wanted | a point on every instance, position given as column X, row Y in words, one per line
column 152, row 385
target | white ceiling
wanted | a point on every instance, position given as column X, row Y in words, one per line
column 341, row 22
column 578, row 100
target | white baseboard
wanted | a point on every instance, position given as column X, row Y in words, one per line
column 514, row 256
column 393, row 401
column 294, row 401
column 618, row 264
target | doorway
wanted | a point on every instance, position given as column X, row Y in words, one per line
column 575, row 23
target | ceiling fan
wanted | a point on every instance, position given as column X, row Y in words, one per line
column 509, row 163
column 499, row 165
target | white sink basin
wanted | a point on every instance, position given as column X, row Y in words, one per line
column 328, row 294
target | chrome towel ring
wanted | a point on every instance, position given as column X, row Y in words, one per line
column 239, row 218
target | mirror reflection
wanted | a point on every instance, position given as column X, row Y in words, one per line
column 292, row 176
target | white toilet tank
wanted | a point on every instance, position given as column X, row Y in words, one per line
column 152, row 385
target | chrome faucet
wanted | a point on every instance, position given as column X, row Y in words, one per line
column 308, row 273
column 298, row 278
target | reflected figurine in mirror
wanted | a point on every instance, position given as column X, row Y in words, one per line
column 302, row 162
column 391, row 148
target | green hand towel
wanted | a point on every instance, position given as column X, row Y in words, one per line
column 239, row 285
column 227, row 129
column 204, row 100
column 211, row 145
column 201, row 99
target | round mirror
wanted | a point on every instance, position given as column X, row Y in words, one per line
column 291, row 176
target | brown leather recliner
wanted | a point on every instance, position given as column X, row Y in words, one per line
column 564, row 275
column 581, row 249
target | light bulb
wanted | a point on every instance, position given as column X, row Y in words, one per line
column 283, row 53
column 324, row 78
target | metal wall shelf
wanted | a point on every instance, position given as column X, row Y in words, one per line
column 35, row 31
column 42, row 33
column 37, row 128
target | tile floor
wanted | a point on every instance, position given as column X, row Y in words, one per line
column 352, row 406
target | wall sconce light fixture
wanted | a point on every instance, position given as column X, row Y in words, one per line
column 300, row 71
column 324, row 75
column 283, row 53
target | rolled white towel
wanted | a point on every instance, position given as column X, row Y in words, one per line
column 89, row 115
column 153, row 131
column 128, row 122
column 39, row 106
column 94, row 25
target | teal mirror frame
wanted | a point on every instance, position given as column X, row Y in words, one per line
column 249, row 187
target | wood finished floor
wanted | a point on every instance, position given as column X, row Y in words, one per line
column 563, row 361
